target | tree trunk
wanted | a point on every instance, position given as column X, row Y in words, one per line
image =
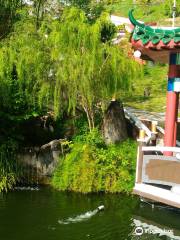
column 90, row 117
column 89, row 112
column 114, row 123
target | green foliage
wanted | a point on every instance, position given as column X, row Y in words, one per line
column 108, row 30
column 58, row 64
column 92, row 8
column 66, row 63
column 93, row 167
column 8, row 16
column 23, row 67
column 8, row 165
column 89, row 68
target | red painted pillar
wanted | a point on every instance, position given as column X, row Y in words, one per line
column 176, row 120
column 170, row 120
column 172, row 102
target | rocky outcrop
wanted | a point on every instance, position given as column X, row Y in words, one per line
column 39, row 162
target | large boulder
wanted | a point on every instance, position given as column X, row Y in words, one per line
column 38, row 163
column 114, row 123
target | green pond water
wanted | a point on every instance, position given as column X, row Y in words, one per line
column 35, row 214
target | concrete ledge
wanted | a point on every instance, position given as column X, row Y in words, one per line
column 157, row 194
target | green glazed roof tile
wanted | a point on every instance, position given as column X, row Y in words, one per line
column 146, row 38
column 147, row 33
column 156, row 39
column 177, row 37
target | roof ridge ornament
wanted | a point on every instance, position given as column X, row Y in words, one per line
column 133, row 20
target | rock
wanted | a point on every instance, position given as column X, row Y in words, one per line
column 40, row 162
column 114, row 123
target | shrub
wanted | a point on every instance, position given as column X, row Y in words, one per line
column 91, row 166
column 8, row 165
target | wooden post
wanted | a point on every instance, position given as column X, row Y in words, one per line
column 154, row 131
column 141, row 134
column 154, row 126
column 139, row 163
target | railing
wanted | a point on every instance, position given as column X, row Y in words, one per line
column 148, row 134
column 153, row 166
column 160, row 149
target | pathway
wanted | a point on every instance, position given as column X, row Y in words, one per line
column 146, row 115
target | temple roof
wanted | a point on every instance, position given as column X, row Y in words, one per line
column 149, row 39
column 154, row 35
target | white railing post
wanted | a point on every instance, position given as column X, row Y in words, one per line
column 139, row 163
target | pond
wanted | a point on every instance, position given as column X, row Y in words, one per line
column 47, row 214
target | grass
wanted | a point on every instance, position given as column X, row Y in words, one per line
column 158, row 12
column 152, row 104
column 154, row 81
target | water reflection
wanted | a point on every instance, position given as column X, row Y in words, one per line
column 156, row 222
column 28, row 188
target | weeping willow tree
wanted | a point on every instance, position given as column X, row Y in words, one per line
column 66, row 63
column 89, row 68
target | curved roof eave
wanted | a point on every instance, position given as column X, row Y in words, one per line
column 154, row 35
column 149, row 28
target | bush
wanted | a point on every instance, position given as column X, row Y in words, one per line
column 91, row 166
column 8, row 165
